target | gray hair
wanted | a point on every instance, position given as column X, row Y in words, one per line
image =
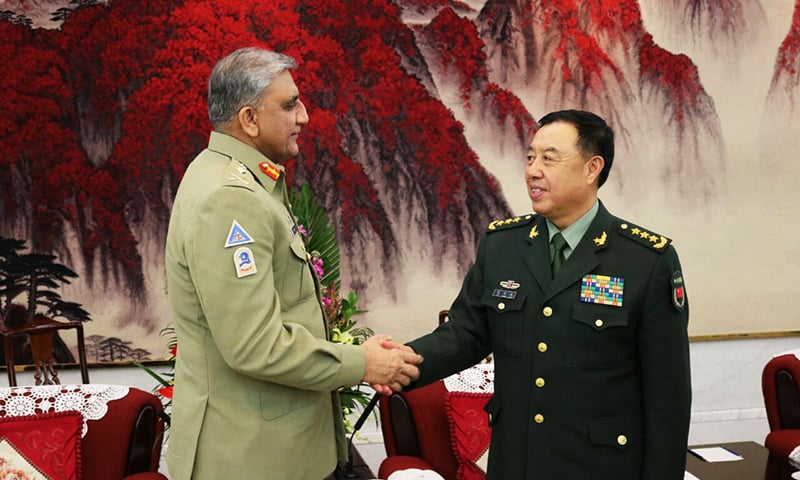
column 240, row 79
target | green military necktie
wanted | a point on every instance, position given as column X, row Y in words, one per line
column 559, row 245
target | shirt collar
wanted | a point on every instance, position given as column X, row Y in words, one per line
column 575, row 232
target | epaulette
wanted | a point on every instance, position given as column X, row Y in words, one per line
column 238, row 175
column 653, row 240
column 509, row 223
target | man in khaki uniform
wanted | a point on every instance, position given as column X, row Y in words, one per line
column 256, row 377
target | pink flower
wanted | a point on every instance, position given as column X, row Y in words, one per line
column 317, row 264
column 327, row 301
column 302, row 230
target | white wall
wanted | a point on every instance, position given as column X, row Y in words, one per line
column 726, row 380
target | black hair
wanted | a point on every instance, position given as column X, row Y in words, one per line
column 595, row 137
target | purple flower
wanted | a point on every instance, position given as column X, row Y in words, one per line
column 302, row 230
column 327, row 301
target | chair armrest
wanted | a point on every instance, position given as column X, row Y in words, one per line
column 146, row 476
column 401, row 462
column 783, row 442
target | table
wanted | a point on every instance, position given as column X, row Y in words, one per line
column 758, row 464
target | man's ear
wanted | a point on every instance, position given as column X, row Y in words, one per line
column 248, row 120
column 593, row 168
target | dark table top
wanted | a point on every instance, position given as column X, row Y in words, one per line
column 758, row 464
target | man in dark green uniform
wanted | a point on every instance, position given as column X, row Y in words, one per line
column 586, row 316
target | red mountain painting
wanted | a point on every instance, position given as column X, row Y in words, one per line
column 421, row 112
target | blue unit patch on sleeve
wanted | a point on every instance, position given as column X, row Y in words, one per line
column 237, row 236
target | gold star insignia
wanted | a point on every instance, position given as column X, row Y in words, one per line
column 635, row 230
column 534, row 233
column 653, row 238
column 644, row 234
column 601, row 240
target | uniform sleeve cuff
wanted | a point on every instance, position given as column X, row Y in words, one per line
column 354, row 364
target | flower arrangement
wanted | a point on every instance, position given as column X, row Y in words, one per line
column 320, row 238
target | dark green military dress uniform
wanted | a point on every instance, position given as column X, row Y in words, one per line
column 592, row 366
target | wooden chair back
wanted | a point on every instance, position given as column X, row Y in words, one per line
column 41, row 332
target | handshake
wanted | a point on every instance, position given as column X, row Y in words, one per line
column 390, row 366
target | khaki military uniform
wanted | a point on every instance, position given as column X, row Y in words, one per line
column 255, row 377
column 592, row 366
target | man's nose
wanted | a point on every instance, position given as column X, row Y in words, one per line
column 302, row 113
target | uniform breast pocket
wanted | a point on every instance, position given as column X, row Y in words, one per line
column 298, row 285
column 506, row 319
column 600, row 336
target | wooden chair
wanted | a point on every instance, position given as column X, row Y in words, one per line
column 41, row 332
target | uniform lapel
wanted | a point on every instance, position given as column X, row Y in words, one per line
column 584, row 259
column 537, row 256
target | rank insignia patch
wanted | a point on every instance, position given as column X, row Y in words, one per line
column 271, row 171
column 601, row 240
column 510, row 284
column 602, row 289
column 244, row 262
column 678, row 294
column 237, row 236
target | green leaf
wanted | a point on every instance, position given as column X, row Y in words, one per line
column 321, row 234
column 160, row 379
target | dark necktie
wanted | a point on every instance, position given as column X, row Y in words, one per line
column 559, row 245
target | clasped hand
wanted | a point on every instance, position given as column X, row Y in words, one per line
column 390, row 366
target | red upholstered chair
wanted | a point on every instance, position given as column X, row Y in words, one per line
column 416, row 433
column 430, row 428
column 780, row 384
column 125, row 443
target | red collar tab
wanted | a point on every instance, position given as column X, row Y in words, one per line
column 270, row 170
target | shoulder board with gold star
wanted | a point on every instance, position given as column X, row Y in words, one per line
column 509, row 223
column 646, row 237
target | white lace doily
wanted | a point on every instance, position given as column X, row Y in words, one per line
column 475, row 379
column 90, row 400
column 794, row 457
